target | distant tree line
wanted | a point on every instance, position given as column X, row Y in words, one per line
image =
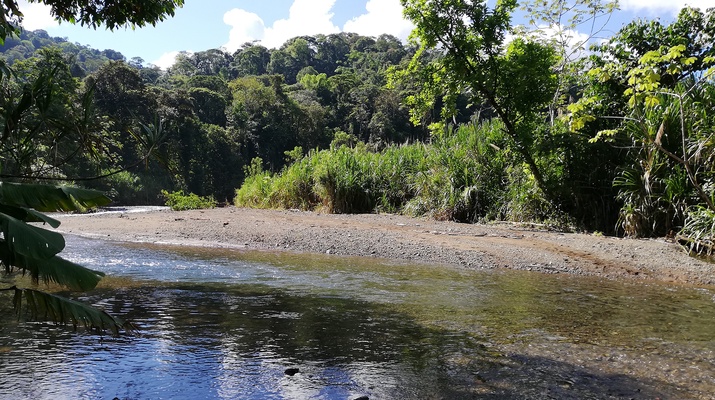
column 216, row 111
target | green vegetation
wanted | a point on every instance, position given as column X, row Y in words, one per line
column 178, row 201
column 33, row 250
column 632, row 156
column 459, row 124
column 50, row 131
column 461, row 176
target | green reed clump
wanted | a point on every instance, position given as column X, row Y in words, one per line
column 462, row 177
column 293, row 188
column 340, row 180
column 355, row 180
column 178, row 201
column 393, row 169
column 343, row 181
column 256, row 188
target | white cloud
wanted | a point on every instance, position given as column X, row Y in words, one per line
column 246, row 27
column 575, row 43
column 305, row 17
column 166, row 60
column 36, row 16
column 383, row 16
column 672, row 6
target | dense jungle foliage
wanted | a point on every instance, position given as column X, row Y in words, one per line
column 475, row 119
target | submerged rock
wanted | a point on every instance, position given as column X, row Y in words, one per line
column 291, row 371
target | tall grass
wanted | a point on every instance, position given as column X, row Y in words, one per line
column 463, row 175
column 342, row 180
column 256, row 187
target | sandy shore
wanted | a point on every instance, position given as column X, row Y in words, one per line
column 402, row 238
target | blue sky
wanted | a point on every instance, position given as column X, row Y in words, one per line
column 209, row 24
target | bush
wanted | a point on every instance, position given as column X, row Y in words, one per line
column 462, row 175
column 698, row 233
column 256, row 188
column 178, row 201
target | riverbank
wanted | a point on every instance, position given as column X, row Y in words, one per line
column 402, row 238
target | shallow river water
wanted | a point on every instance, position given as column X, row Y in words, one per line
column 258, row 325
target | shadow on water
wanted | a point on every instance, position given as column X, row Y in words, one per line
column 247, row 340
column 213, row 342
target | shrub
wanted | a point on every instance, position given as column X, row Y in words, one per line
column 178, row 201
column 698, row 233
column 256, row 188
column 462, row 175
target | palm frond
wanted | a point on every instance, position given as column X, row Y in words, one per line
column 60, row 271
column 48, row 198
column 46, row 306
column 30, row 241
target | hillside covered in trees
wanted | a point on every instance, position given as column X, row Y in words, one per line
column 210, row 114
column 461, row 124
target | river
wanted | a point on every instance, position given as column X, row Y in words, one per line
column 229, row 324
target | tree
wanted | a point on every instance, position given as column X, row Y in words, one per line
column 30, row 248
column 183, row 65
column 693, row 29
column 95, row 13
column 332, row 51
column 294, row 55
column 211, row 62
column 516, row 81
column 651, row 89
column 561, row 23
column 263, row 115
column 209, row 106
column 118, row 90
column 250, row 59
column 120, row 96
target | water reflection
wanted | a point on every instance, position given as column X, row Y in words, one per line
column 225, row 324
column 232, row 343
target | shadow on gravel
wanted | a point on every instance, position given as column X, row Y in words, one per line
column 533, row 377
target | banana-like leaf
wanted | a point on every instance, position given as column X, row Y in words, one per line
column 28, row 215
column 65, row 311
column 50, row 198
column 30, row 241
column 60, row 271
column 7, row 257
column 35, row 216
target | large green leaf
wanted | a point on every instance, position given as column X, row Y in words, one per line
column 47, row 306
column 30, row 241
column 50, row 198
column 28, row 215
column 60, row 271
